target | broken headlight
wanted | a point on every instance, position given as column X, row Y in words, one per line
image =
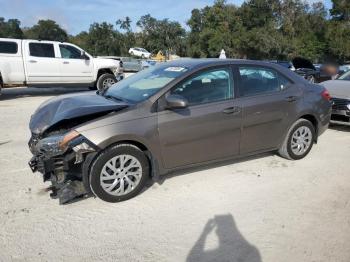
column 56, row 144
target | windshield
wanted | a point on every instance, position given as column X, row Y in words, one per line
column 144, row 84
column 345, row 76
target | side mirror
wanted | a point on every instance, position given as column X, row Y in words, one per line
column 176, row 102
column 84, row 56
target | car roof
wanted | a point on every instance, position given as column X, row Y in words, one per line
column 192, row 63
column 199, row 63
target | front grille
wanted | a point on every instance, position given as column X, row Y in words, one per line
column 340, row 104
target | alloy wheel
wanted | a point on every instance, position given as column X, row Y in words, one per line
column 301, row 140
column 120, row 175
column 108, row 82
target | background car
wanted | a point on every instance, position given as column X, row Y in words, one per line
column 311, row 73
column 171, row 116
column 132, row 64
column 48, row 63
column 139, row 52
column 339, row 90
column 344, row 68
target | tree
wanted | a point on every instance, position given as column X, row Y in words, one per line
column 341, row 10
column 259, row 13
column 47, row 30
column 102, row 39
column 11, row 28
column 161, row 35
column 338, row 40
column 214, row 28
column 128, row 38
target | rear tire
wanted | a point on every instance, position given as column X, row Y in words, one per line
column 119, row 173
column 299, row 140
column 105, row 81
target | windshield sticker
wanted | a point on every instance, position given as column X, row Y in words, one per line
column 175, row 69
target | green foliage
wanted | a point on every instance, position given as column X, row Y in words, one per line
column 47, row 30
column 158, row 35
column 338, row 39
column 10, row 29
column 258, row 29
column 341, row 10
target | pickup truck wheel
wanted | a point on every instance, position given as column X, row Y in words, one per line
column 105, row 81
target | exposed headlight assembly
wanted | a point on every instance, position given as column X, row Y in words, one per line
column 56, row 144
column 348, row 106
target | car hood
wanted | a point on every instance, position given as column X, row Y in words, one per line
column 71, row 109
column 106, row 62
column 338, row 88
column 300, row 62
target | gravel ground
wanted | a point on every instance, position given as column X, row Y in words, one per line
column 258, row 209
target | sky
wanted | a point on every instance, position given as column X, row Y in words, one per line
column 77, row 15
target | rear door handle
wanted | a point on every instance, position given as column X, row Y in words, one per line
column 232, row 110
column 65, row 62
column 32, row 61
column 291, row 98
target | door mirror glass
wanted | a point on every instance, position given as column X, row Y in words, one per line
column 176, row 102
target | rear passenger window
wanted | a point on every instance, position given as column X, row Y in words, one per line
column 8, row 47
column 41, row 50
column 255, row 81
column 206, row 87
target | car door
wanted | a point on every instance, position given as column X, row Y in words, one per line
column 41, row 62
column 75, row 67
column 209, row 128
column 269, row 101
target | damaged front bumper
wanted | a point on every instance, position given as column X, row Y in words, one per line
column 67, row 170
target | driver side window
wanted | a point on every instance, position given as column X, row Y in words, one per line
column 206, row 87
column 70, row 52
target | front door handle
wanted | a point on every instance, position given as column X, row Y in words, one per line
column 32, row 61
column 232, row 110
column 65, row 62
column 291, row 98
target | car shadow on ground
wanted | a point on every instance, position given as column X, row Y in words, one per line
column 231, row 244
column 341, row 128
column 161, row 179
column 20, row 92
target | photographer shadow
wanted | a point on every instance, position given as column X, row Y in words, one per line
column 232, row 245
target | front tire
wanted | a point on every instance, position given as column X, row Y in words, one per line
column 119, row 173
column 105, row 81
column 299, row 140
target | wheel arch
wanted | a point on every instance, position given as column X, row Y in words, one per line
column 102, row 71
column 151, row 156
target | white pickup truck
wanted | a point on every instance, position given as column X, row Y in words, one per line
column 48, row 63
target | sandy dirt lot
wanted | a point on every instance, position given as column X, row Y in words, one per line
column 258, row 209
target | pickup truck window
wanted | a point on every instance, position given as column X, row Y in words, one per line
column 68, row 51
column 41, row 50
column 8, row 47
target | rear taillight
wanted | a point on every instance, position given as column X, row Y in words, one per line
column 325, row 94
